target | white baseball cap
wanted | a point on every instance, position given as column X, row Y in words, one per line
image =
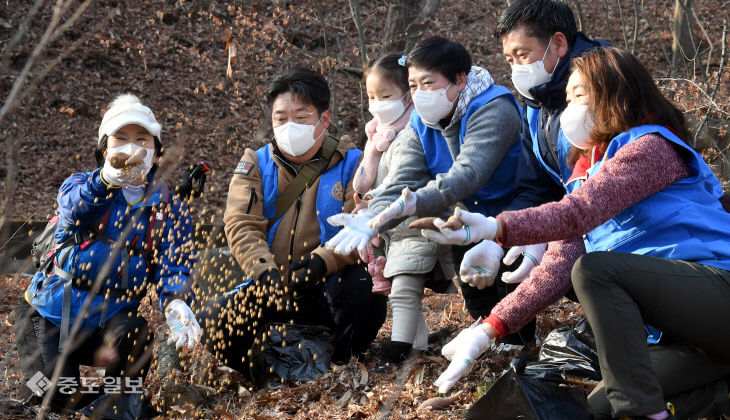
column 125, row 110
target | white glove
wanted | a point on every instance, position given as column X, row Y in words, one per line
column 128, row 175
column 356, row 233
column 477, row 227
column 462, row 350
column 405, row 205
column 481, row 264
column 117, row 177
column 183, row 326
column 533, row 255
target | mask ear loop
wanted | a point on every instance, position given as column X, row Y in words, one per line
column 545, row 55
column 315, row 127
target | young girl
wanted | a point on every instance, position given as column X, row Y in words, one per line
column 407, row 258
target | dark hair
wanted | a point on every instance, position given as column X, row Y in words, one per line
column 306, row 84
column 445, row 56
column 623, row 95
column 101, row 147
column 388, row 65
column 542, row 18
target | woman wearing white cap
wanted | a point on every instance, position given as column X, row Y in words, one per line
column 118, row 230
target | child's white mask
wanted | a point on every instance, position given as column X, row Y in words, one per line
column 387, row 111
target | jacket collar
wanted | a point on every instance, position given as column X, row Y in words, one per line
column 153, row 194
column 293, row 168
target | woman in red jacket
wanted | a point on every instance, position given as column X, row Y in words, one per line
column 646, row 208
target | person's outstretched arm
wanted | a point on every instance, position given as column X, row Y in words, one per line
column 637, row 170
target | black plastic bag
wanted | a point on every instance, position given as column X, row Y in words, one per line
column 301, row 355
column 569, row 350
column 535, row 389
column 120, row 407
column 514, row 396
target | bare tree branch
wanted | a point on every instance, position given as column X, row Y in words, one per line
column 722, row 59
column 623, row 24
column 355, row 11
column 327, row 62
column 10, row 101
column 610, row 35
column 709, row 41
column 659, row 38
column 20, row 90
column 405, row 23
column 637, row 16
column 22, row 29
column 717, row 83
column 683, row 39
column 579, row 13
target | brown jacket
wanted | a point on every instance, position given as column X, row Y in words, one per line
column 298, row 232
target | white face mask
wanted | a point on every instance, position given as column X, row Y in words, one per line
column 432, row 105
column 387, row 112
column 129, row 149
column 527, row 76
column 577, row 123
column 295, row 139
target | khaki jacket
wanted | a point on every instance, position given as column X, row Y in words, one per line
column 298, row 232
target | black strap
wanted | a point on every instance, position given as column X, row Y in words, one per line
column 307, row 174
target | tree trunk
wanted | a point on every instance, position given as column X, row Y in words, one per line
column 683, row 44
column 405, row 23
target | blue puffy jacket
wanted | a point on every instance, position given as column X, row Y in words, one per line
column 83, row 201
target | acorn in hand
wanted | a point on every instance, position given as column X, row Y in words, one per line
column 426, row 223
column 127, row 163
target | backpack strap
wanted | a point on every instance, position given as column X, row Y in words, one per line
column 155, row 227
column 65, row 315
column 307, row 174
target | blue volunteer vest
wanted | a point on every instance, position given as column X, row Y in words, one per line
column 533, row 118
column 497, row 191
column 330, row 195
column 684, row 221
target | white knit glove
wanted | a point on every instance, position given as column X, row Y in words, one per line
column 476, row 227
column 183, row 326
column 127, row 175
column 481, row 264
column 355, row 235
column 533, row 255
column 118, row 177
column 462, row 351
column 405, row 205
